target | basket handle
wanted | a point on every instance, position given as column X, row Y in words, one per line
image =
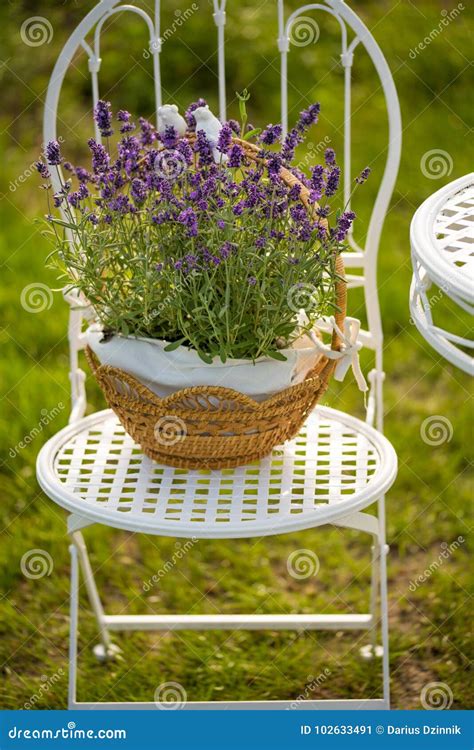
column 341, row 302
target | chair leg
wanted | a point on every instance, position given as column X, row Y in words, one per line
column 73, row 615
column 106, row 649
column 383, row 552
column 374, row 585
column 384, row 621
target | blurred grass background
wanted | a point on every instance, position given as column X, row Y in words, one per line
column 430, row 503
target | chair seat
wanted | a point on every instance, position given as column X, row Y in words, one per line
column 335, row 466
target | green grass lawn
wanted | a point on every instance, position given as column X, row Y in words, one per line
column 429, row 506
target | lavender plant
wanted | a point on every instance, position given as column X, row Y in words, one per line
column 165, row 241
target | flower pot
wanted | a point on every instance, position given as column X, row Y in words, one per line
column 211, row 426
column 166, row 372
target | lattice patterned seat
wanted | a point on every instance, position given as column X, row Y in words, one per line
column 454, row 231
column 442, row 242
column 335, row 464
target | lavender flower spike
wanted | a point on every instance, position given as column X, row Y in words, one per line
column 103, row 118
column 271, row 134
column 42, row 169
column 224, row 140
column 330, row 157
column 308, row 117
column 332, row 183
column 363, row 176
column 53, row 153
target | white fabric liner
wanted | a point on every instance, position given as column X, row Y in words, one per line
column 167, row 372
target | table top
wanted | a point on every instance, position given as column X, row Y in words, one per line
column 442, row 238
column 336, row 465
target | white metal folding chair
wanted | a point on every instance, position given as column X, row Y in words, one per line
column 95, row 471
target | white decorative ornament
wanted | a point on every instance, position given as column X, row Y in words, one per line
column 208, row 122
column 168, row 116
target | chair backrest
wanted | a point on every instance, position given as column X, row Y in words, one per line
column 354, row 34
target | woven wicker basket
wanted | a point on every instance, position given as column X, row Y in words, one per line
column 211, row 427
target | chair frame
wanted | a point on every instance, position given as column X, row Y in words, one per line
column 363, row 260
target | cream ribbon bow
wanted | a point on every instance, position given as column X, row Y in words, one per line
column 349, row 353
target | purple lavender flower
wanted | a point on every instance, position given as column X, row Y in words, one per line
column 260, row 242
column 209, row 186
column 43, row 170
column 251, row 280
column 292, row 140
column 169, row 137
column 148, row 133
column 191, row 261
column 103, row 118
column 344, row 223
column 93, row 219
column 224, row 140
column 188, row 115
column 278, row 236
column 301, row 176
column 304, row 231
column 53, row 153
column 189, row 219
column 271, row 134
column 125, row 118
column 120, row 204
column 129, row 152
column 203, row 147
column 100, row 157
column 363, row 175
column 238, row 208
column 332, row 182
column 308, row 117
column 226, row 250
column 298, row 213
column 274, row 164
column 317, row 178
column 295, row 192
column 185, row 150
column 330, row 157
column 73, row 198
column 321, row 232
column 83, row 175
column 138, row 191
column 234, row 126
column 159, row 218
column 236, row 156
column 255, row 196
column 221, row 223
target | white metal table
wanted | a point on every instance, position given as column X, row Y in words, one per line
column 335, row 468
column 442, row 245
